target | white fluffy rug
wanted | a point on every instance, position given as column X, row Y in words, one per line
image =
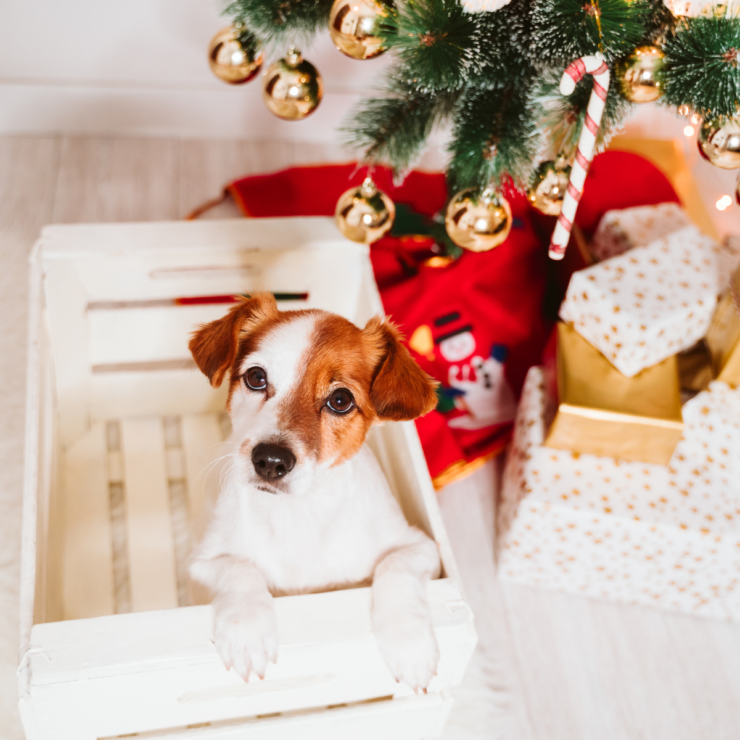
column 482, row 707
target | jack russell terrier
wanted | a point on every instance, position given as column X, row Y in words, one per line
column 304, row 506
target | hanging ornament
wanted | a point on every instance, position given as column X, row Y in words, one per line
column 639, row 74
column 292, row 88
column 548, row 185
column 364, row 213
column 234, row 55
column 478, row 220
column 353, row 27
column 719, row 142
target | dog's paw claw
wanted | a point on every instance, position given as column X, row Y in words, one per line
column 410, row 650
column 245, row 634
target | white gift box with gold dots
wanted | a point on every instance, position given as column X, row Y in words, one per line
column 667, row 536
column 649, row 303
column 621, row 230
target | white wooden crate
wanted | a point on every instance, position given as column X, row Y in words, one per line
column 122, row 433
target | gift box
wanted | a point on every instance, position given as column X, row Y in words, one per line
column 667, row 536
column 649, row 303
column 723, row 337
column 595, row 409
column 621, row 230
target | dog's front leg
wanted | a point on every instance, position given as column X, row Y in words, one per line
column 245, row 628
column 401, row 616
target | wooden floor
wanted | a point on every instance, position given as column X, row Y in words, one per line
column 561, row 666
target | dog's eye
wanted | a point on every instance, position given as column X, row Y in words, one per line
column 256, row 379
column 341, row 401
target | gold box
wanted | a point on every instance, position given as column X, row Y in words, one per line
column 597, row 410
column 723, row 337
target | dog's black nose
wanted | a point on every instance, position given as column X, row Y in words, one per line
column 272, row 461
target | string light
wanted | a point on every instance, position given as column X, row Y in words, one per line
column 688, row 131
column 695, row 118
column 723, row 203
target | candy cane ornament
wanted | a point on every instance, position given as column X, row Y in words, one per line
column 597, row 68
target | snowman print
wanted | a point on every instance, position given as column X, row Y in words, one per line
column 484, row 393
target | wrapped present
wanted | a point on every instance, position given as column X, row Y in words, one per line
column 723, row 337
column 649, row 303
column 659, row 535
column 621, row 230
column 595, row 409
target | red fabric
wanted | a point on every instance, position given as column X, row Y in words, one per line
column 476, row 325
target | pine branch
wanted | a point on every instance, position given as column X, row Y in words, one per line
column 701, row 67
column 394, row 129
column 494, row 138
column 565, row 30
column 281, row 22
column 435, row 41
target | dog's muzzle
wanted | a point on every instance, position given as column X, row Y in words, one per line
column 272, row 461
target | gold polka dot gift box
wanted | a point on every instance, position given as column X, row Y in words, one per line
column 593, row 408
column 621, row 230
column 723, row 337
column 633, row 532
column 649, row 303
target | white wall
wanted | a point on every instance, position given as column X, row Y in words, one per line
column 139, row 67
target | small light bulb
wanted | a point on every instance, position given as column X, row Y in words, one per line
column 688, row 131
column 695, row 118
column 723, row 203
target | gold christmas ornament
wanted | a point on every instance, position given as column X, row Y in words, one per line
column 293, row 87
column 639, row 74
column 548, row 185
column 353, row 27
column 364, row 213
column 478, row 220
column 232, row 61
column 719, row 142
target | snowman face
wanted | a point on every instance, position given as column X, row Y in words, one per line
column 457, row 348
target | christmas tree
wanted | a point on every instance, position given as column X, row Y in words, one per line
column 492, row 69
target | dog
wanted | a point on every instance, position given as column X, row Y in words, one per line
column 304, row 506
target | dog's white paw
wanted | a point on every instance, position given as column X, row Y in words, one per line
column 409, row 649
column 245, row 633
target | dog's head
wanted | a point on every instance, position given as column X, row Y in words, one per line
column 305, row 387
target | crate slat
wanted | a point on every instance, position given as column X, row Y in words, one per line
column 88, row 550
column 150, row 541
column 203, row 444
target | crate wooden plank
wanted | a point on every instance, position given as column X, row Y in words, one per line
column 160, row 669
column 88, row 551
column 150, row 542
column 412, row 718
column 204, row 446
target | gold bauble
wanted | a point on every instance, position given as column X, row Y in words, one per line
column 719, row 142
column 364, row 213
column 478, row 220
column 293, row 87
column 548, row 185
column 639, row 74
column 231, row 61
column 353, row 27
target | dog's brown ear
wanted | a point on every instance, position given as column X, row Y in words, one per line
column 400, row 389
column 214, row 346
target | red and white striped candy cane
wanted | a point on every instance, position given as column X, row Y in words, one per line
column 597, row 68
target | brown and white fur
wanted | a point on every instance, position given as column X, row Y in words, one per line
column 326, row 519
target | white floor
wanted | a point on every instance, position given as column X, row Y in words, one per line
column 548, row 666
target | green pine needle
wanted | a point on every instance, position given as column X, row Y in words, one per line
column 394, row 129
column 281, row 22
column 565, row 30
column 701, row 67
column 494, row 139
column 435, row 40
